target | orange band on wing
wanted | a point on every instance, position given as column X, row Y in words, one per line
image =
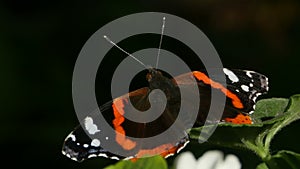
column 118, row 108
column 240, row 119
column 235, row 100
column 163, row 150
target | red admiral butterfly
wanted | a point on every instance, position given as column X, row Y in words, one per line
column 243, row 87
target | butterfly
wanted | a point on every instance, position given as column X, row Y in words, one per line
column 241, row 91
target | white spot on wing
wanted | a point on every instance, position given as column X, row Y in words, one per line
column 254, row 98
column 90, row 126
column 231, row 75
column 74, row 158
column 102, row 155
column 127, row 158
column 115, row 158
column 251, row 84
column 248, row 73
column 258, row 94
column 72, row 136
column 182, row 146
column 92, row 155
column 169, row 155
column 267, row 84
column 85, row 145
column 95, row 142
column 245, row 88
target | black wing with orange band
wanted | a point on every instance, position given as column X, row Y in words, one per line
column 243, row 87
column 78, row 145
column 241, row 91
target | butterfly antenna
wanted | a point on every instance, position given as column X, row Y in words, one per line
column 114, row 44
column 160, row 42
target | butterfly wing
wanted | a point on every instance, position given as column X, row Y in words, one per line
column 241, row 91
column 81, row 143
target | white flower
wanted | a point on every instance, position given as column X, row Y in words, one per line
column 209, row 160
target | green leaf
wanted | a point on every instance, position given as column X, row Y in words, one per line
column 284, row 159
column 257, row 137
column 229, row 135
column 292, row 114
column 269, row 108
column 246, row 132
column 262, row 166
column 265, row 108
column 142, row 163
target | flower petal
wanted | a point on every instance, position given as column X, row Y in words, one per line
column 230, row 162
column 186, row 160
column 210, row 160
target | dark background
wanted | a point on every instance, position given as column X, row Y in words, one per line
column 40, row 41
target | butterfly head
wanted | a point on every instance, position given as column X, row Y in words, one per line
column 153, row 75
